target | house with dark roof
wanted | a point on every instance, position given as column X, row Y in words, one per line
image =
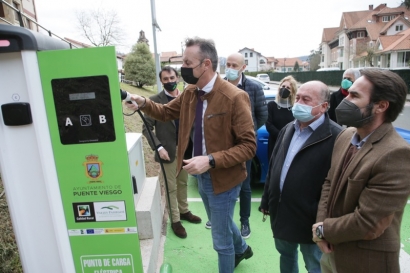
column 375, row 37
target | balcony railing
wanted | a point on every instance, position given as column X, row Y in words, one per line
column 21, row 22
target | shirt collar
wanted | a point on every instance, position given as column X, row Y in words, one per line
column 240, row 83
column 357, row 142
column 210, row 85
column 168, row 94
column 313, row 126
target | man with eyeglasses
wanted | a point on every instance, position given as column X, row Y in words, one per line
column 297, row 169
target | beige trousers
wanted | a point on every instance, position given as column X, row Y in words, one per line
column 177, row 189
column 327, row 263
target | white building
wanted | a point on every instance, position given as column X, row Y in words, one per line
column 254, row 60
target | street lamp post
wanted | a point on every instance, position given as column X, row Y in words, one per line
column 155, row 26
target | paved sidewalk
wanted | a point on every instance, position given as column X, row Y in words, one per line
column 196, row 254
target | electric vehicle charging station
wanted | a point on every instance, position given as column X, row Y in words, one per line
column 63, row 156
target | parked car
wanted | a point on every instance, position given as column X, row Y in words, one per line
column 328, row 69
column 260, row 162
column 263, row 77
column 262, row 84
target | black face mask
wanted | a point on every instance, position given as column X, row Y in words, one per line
column 347, row 113
column 170, row 86
column 284, row 93
column 187, row 73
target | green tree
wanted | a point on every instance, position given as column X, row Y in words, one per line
column 406, row 3
column 296, row 66
column 139, row 65
column 369, row 56
column 314, row 59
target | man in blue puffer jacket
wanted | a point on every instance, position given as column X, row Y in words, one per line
column 235, row 66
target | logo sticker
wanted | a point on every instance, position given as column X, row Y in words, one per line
column 110, row 211
column 93, row 168
column 84, row 212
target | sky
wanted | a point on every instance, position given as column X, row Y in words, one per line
column 273, row 28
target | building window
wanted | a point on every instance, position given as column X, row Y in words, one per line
column 246, row 62
column 246, row 54
column 342, row 41
column 323, row 58
column 388, row 18
column 2, row 11
column 341, row 52
column 403, row 59
column 262, row 61
column 360, row 34
column 399, row 27
column 16, row 15
column 251, row 54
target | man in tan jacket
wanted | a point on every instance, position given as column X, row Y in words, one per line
column 216, row 117
column 366, row 190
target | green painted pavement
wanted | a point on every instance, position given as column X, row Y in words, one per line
column 195, row 253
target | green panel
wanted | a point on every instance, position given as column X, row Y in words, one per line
column 93, row 172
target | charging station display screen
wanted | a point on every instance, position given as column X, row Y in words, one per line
column 83, row 109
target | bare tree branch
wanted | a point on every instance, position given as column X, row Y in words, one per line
column 100, row 27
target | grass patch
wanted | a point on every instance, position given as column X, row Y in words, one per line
column 9, row 256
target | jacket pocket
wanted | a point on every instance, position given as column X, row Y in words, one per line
column 380, row 244
column 354, row 188
column 216, row 115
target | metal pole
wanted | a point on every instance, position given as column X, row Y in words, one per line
column 154, row 27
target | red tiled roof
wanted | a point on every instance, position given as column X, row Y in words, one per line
column 329, row 34
column 402, row 42
column 386, row 41
column 350, row 19
column 270, row 59
column 369, row 20
column 288, row 62
column 169, row 54
column 77, row 43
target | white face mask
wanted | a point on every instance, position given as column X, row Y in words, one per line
column 231, row 74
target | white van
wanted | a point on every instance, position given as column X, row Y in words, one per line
column 263, row 77
column 328, row 69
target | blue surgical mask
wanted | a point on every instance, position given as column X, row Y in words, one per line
column 231, row 74
column 346, row 84
column 303, row 112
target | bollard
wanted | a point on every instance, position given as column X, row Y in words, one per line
column 166, row 268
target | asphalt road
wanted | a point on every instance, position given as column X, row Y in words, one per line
column 403, row 120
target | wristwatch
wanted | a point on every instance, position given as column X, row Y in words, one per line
column 211, row 161
column 319, row 232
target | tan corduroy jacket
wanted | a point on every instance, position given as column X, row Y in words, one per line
column 362, row 214
column 228, row 129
